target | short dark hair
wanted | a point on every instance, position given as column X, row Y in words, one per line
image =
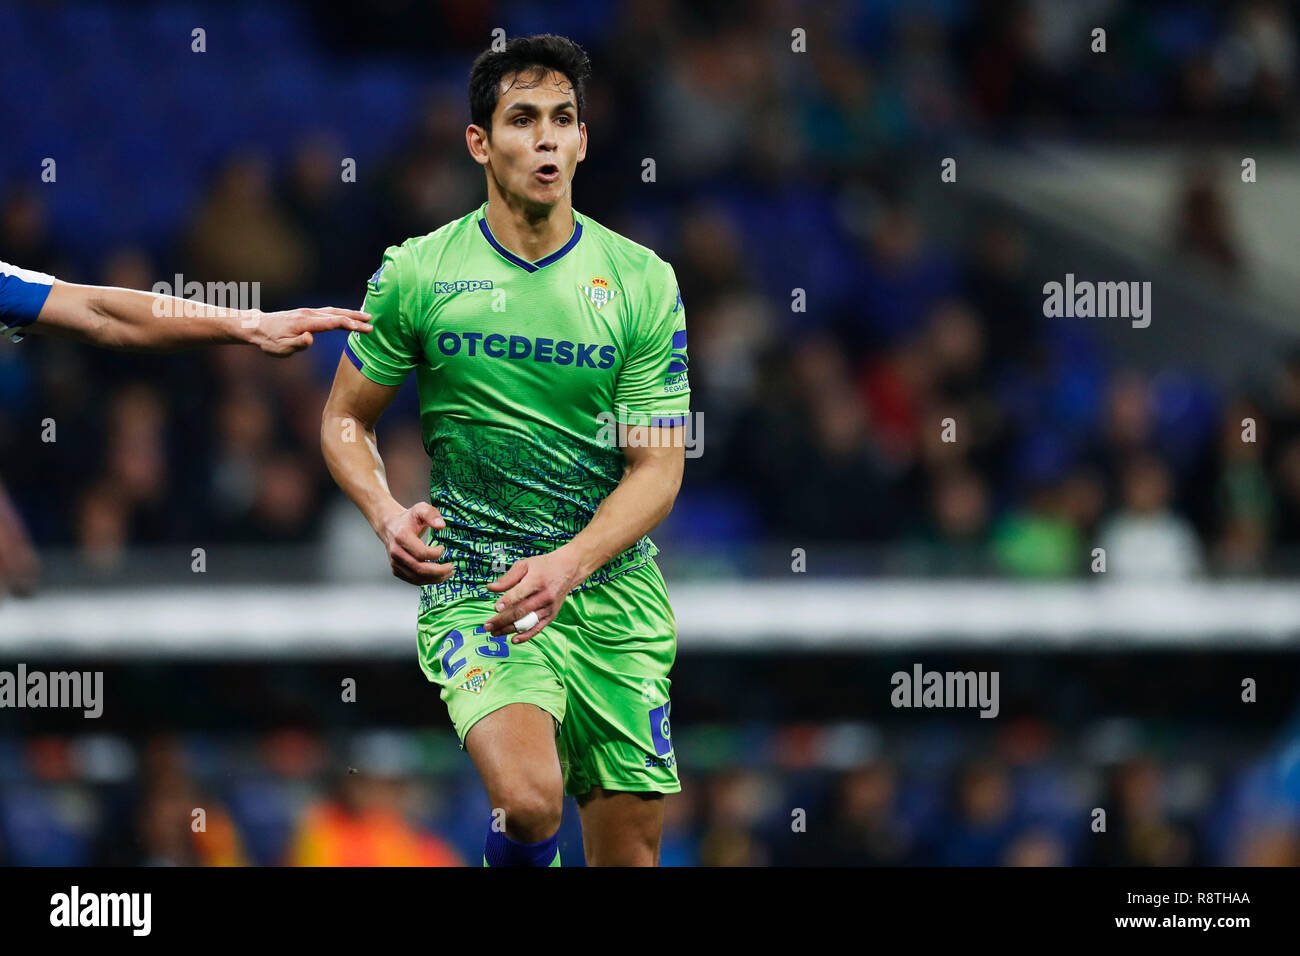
column 523, row 56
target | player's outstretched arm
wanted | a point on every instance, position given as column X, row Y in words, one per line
column 656, row 459
column 126, row 319
column 347, row 439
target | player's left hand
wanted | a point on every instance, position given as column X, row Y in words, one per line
column 283, row 333
column 540, row 583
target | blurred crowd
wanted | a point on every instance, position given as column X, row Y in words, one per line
column 776, row 173
column 839, row 794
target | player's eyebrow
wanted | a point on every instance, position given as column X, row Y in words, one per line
column 523, row 107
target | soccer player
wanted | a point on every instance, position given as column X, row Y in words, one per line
column 543, row 617
column 126, row 319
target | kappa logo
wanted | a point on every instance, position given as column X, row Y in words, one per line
column 374, row 279
column 461, row 285
column 476, row 680
column 599, row 291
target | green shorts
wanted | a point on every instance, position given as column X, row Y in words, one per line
column 600, row 669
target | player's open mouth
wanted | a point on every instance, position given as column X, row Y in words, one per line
column 548, row 173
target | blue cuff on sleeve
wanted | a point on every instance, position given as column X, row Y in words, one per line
column 22, row 295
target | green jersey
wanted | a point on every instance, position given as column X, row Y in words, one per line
column 525, row 372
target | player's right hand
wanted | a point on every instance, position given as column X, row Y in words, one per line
column 411, row 559
column 283, row 333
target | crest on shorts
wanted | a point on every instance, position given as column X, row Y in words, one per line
column 476, row 680
column 599, row 291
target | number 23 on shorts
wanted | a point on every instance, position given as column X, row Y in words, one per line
column 496, row 647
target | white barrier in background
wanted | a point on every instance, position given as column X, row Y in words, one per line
column 365, row 620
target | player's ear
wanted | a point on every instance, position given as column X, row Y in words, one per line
column 476, row 143
column 582, row 143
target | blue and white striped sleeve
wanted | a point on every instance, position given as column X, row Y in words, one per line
column 22, row 294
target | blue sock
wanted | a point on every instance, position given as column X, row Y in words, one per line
column 500, row 850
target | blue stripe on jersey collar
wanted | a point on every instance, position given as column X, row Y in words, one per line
column 524, row 263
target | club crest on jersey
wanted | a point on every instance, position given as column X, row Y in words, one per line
column 476, row 680
column 599, row 291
